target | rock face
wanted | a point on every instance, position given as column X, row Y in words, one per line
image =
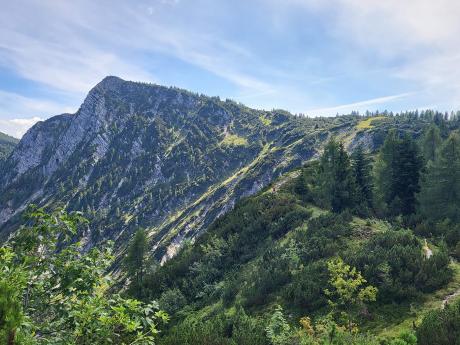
column 142, row 155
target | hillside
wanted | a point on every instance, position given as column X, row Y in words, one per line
column 165, row 159
column 139, row 155
column 246, row 227
column 274, row 249
column 7, row 144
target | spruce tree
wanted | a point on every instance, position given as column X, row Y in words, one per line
column 430, row 143
column 397, row 171
column 135, row 262
column 406, row 177
column 383, row 172
column 440, row 194
column 363, row 177
column 337, row 186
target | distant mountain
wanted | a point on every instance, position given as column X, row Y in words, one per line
column 7, row 145
column 142, row 155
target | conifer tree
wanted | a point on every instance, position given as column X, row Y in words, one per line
column 383, row 171
column 406, row 177
column 135, row 262
column 363, row 177
column 440, row 194
column 337, row 186
column 397, row 171
column 430, row 143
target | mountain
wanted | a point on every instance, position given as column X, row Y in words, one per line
column 277, row 247
column 165, row 159
column 7, row 145
column 142, row 155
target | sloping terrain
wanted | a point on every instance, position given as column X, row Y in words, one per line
column 165, row 159
column 273, row 248
column 141, row 155
column 7, row 144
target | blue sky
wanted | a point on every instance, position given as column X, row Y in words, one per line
column 315, row 57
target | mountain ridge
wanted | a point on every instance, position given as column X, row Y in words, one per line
column 162, row 158
column 153, row 156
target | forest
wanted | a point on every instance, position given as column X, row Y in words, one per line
column 351, row 248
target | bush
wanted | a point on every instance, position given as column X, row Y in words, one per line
column 393, row 262
column 306, row 289
column 172, row 300
column 441, row 327
column 218, row 329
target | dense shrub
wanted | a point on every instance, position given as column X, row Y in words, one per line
column 307, row 287
column 441, row 327
column 393, row 261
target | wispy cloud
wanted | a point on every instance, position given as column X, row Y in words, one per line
column 73, row 60
column 296, row 54
column 357, row 106
column 13, row 105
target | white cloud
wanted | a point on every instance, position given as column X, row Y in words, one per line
column 69, row 46
column 13, row 105
column 18, row 127
column 19, row 113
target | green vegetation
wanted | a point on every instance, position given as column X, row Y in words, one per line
column 234, row 140
column 369, row 122
column 51, row 293
column 441, row 326
column 346, row 249
column 7, row 144
column 318, row 258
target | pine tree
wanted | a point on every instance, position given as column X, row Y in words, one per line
column 406, row 177
column 135, row 262
column 337, row 186
column 431, row 142
column 440, row 194
column 363, row 177
column 383, row 172
column 397, row 171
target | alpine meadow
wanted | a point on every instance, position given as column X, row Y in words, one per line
column 150, row 214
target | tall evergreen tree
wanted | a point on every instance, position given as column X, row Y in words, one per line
column 406, row 177
column 337, row 186
column 383, row 171
column 363, row 176
column 431, row 142
column 398, row 174
column 135, row 262
column 440, row 194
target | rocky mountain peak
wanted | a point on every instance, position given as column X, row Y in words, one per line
column 143, row 155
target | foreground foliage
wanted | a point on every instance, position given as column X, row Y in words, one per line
column 58, row 295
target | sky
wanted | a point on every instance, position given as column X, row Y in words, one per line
column 316, row 57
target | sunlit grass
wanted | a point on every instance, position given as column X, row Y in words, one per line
column 367, row 124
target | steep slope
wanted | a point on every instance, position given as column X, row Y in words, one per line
column 142, row 155
column 7, row 145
